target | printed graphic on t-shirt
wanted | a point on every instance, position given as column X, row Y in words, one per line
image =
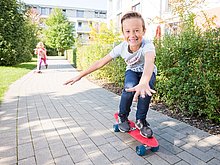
column 133, row 60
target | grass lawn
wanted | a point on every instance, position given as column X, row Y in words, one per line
column 9, row 74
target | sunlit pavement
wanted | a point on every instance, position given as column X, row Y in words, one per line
column 44, row 122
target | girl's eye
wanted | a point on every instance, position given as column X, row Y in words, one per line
column 127, row 31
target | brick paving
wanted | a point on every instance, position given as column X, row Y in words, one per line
column 43, row 122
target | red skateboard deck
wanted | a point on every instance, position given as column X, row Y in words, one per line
column 148, row 143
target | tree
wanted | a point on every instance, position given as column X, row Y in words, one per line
column 182, row 7
column 16, row 34
column 104, row 35
column 59, row 32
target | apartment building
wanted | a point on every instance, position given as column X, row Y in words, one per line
column 82, row 18
column 151, row 11
column 156, row 13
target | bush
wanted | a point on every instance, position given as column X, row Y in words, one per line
column 51, row 51
column 71, row 56
column 189, row 76
column 113, row 72
column 102, row 43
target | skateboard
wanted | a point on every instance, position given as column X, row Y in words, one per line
column 147, row 143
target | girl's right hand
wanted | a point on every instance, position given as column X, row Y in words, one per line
column 72, row 81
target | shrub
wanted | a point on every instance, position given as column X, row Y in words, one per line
column 189, row 76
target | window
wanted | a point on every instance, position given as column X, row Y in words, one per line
column 64, row 11
column 119, row 4
column 102, row 14
column 43, row 11
column 96, row 14
column 79, row 24
column 168, row 6
column 79, row 13
column 50, row 10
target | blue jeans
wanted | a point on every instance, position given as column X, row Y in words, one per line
column 132, row 79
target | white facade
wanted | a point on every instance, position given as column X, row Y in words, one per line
column 81, row 17
column 155, row 13
column 151, row 11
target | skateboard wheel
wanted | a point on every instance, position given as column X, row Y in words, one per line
column 141, row 150
column 154, row 149
column 115, row 128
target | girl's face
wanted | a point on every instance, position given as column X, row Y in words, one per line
column 133, row 32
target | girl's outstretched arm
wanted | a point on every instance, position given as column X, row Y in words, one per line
column 95, row 66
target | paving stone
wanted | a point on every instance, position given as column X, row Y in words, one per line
column 169, row 146
column 7, row 150
column 64, row 160
column 110, row 152
column 24, row 136
column 192, row 160
column 155, row 160
column 166, row 155
column 198, row 153
column 88, row 146
column 182, row 163
column 132, row 157
column 25, row 151
column 214, row 162
column 40, row 143
column 98, row 158
column 85, row 162
column 69, row 140
column 119, row 145
column 77, row 153
column 58, row 149
column 8, row 160
column 43, row 156
column 27, row 161
column 122, row 161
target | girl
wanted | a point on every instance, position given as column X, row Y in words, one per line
column 41, row 56
column 140, row 74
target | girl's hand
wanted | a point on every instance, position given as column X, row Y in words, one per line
column 72, row 81
column 141, row 90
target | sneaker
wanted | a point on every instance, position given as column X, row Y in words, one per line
column 124, row 126
column 146, row 132
column 46, row 66
column 144, row 128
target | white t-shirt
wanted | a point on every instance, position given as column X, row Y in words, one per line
column 135, row 60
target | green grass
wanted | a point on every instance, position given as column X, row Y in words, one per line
column 9, row 74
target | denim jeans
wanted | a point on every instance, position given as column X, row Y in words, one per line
column 132, row 79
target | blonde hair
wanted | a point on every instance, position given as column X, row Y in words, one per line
column 40, row 45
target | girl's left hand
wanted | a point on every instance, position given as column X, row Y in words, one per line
column 141, row 90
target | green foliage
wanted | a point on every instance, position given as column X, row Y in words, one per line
column 51, row 51
column 17, row 34
column 71, row 56
column 183, row 7
column 104, row 35
column 59, row 31
column 189, row 77
column 102, row 44
column 9, row 74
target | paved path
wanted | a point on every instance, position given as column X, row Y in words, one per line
column 43, row 122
